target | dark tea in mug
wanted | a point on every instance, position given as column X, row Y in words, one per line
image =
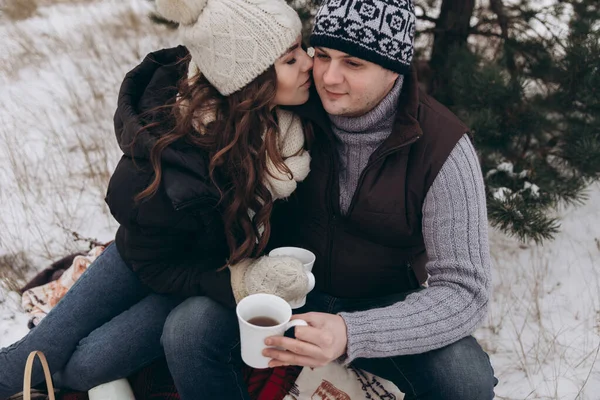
column 263, row 321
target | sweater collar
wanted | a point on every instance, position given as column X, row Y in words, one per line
column 382, row 116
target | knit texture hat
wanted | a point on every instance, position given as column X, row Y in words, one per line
column 379, row 31
column 233, row 41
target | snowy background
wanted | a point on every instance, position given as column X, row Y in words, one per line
column 61, row 64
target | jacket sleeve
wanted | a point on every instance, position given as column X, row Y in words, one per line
column 171, row 251
column 168, row 264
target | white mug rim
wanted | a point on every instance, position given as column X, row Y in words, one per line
column 283, row 248
column 272, row 296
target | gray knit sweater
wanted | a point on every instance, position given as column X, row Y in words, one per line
column 358, row 138
column 455, row 230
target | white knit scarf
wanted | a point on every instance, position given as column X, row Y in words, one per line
column 291, row 145
column 290, row 142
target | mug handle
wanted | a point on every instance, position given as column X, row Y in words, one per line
column 311, row 281
column 295, row 322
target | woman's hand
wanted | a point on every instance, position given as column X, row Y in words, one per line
column 316, row 345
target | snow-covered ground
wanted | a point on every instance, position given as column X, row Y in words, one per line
column 543, row 329
column 60, row 71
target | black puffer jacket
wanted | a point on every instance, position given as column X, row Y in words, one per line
column 174, row 240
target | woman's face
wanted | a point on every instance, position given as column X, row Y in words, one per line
column 293, row 76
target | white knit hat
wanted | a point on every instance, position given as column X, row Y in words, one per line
column 233, row 41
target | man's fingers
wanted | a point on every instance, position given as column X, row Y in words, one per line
column 313, row 318
column 280, row 357
column 275, row 364
column 294, row 346
column 318, row 337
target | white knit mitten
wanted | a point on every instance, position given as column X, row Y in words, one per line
column 282, row 276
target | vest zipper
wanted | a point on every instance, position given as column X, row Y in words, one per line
column 334, row 200
column 370, row 164
column 334, row 208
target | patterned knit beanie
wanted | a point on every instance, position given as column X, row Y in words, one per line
column 379, row 31
column 233, row 41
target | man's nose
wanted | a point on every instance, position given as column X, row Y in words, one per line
column 332, row 75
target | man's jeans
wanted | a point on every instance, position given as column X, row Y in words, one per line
column 461, row 370
column 201, row 342
column 107, row 326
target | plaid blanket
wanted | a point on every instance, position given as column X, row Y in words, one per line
column 155, row 383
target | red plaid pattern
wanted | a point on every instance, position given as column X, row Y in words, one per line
column 155, row 383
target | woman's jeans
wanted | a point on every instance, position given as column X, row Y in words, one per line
column 107, row 326
column 201, row 342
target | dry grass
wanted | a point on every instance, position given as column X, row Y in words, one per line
column 539, row 325
column 60, row 73
column 13, row 270
column 17, row 10
column 56, row 128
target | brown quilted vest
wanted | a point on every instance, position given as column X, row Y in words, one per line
column 377, row 248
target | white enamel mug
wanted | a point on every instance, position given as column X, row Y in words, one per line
column 306, row 257
column 253, row 337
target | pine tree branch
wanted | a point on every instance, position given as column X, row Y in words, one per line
column 550, row 29
column 424, row 15
column 484, row 21
column 497, row 6
column 486, row 33
column 519, row 218
column 526, row 145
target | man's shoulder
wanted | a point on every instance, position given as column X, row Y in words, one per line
column 441, row 130
column 434, row 114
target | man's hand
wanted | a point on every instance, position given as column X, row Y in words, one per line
column 316, row 345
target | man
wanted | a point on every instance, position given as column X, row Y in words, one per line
column 394, row 209
column 395, row 193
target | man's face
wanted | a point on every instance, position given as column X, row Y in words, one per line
column 349, row 86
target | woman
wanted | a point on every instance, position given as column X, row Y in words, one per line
column 204, row 158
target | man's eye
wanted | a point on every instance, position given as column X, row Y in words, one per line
column 352, row 64
column 291, row 62
column 322, row 56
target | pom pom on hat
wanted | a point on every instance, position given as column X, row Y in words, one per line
column 182, row 11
